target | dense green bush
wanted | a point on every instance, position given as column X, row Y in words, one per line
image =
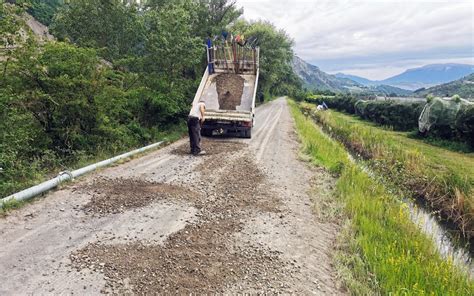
column 339, row 102
column 465, row 124
column 452, row 123
column 400, row 116
column 59, row 106
column 448, row 119
column 44, row 10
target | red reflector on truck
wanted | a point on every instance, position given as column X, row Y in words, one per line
column 247, row 123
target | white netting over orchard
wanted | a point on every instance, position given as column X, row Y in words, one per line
column 446, row 113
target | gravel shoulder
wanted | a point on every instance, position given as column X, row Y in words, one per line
column 241, row 219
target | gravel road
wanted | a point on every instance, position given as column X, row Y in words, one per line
column 239, row 220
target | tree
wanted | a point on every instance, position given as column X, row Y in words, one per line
column 276, row 53
column 213, row 16
column 10, row 24
column 44, row 10
column 110, row 26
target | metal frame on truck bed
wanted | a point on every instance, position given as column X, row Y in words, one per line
column 229, row 87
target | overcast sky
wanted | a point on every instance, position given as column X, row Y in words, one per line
column 373, row 38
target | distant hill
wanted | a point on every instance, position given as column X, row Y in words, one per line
column 358, row 79
column 463, row 87
column 314, row 78
column 429, row 75
column 416, row 78
column 391, row 91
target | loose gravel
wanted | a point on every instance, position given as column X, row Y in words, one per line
column 202, row 257
column 113, row 196
column 230, row 88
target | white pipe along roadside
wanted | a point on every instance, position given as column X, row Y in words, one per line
column 65, row 176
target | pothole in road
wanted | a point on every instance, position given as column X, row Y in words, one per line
column 112, row 196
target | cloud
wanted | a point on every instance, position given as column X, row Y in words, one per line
column 338, row 33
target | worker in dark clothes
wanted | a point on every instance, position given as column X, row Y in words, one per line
column 195, row 120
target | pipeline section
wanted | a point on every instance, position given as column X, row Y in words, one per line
column 65, row 176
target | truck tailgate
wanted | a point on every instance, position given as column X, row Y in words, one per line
column 228, row 115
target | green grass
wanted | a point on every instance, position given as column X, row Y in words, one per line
column 383, row 251
column 452, row 145
column 332, row 155
column 445, row 179
column 10, row 205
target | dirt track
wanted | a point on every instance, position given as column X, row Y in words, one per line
column 240, row 219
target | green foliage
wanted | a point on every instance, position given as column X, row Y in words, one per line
column 127, row 80
column 402, row 116
column 429, row 98
column 399, row 258
column 341, row 102
column 449, row 119
column 276, row 53
column 58, row 105
column 113, row 28
column 213, row 16
column 463, row 87
column 10, row 24
column 464, row 124
column 449, row 144
column 44, row 10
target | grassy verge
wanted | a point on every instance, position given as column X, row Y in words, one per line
column 383, row 251
column 445, row 179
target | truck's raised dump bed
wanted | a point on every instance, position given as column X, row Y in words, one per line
column 229, row 95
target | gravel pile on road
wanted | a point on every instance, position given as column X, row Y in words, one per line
column 212, row 147
column 196, row 259
column 112, row 196
column 230, row 88
column 244, row 183
column 202, row 257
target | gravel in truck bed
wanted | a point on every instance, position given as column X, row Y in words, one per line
column 230, row 88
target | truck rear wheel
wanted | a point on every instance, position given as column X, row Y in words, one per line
column 247, row 133
column 206, row 133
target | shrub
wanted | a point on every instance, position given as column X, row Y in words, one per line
column 401, row 116
column 449, row 119
column 465, row 124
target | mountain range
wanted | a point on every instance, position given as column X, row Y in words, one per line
column 316, row 79
column 422, row 77
column 313, row 78
column 463, row 87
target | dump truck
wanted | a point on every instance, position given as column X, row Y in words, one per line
column 228, row 88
